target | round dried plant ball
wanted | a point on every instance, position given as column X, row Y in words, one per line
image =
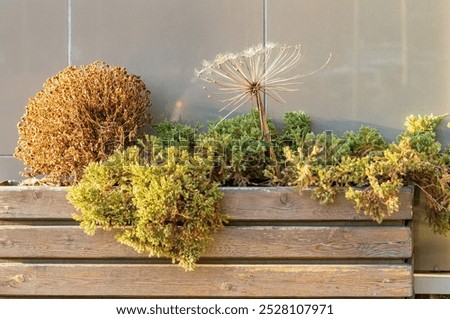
column 81, row 115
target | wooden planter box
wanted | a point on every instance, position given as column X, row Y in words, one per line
column 278, row 244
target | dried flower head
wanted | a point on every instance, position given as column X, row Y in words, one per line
column 242, row 77
column 81, row 115
column 239, row 77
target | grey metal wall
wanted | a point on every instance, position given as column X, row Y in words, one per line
column 390, row 57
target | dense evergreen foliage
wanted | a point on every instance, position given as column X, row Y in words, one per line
column 164, row 194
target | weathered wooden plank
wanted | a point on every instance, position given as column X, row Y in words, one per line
column 260, row 203
column 312, row 242
column 34, row 202
column 232, row 242
column 206, row 281
column 284, row 203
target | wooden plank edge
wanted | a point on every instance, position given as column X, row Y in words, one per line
column 269, row 203
column 232, row 242
column 206, row 281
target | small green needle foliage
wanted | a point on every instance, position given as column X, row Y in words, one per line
column 164, row 205
column 163, row 198
column 238, row 150
column 371, row 172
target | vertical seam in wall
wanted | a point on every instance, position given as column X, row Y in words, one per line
column 265, row 22
column 265, row 43
column 355, row 59
column 69, row 32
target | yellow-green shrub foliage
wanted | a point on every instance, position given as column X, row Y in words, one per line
column 164, row 203
column 372, row 172
column 81, row 115
column 417, row 159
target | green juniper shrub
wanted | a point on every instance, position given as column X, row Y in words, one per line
column 367, row 141
column 182, row 136
column 164, row 204
column 315, row 164
column 416, row 159
column 296, row 126
column 238, row 149
column 104, row 194
column 371, row 172
column 163, row 195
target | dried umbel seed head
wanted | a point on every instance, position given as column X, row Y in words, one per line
column 81, row 115
column 236, row 78
column 247, row 75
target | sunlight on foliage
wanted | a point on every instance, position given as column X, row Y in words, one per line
column 81, row 115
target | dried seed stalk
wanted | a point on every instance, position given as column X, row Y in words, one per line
column 245, row 76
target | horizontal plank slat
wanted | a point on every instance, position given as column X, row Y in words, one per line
column 206, row 281
column 284, row 203
column 233, row 242
column 34, row 202
column 312, row 242
column 251, row 203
